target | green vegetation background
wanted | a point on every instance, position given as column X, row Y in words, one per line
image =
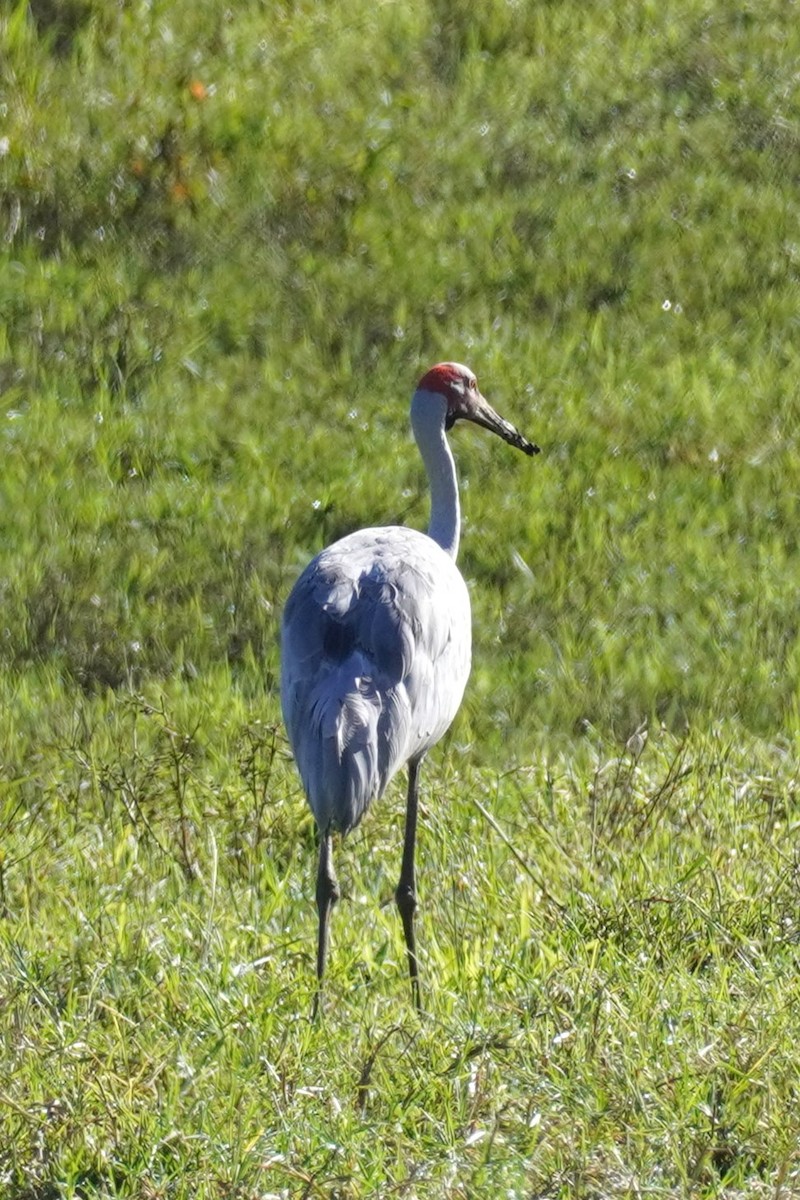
column 232, row 238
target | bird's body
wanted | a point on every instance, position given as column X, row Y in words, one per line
column 378, row 631
column 376, row 647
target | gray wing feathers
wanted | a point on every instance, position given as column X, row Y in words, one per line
column 374, row 663
column 351, row 746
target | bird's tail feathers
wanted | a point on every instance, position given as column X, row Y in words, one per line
column 354, row 758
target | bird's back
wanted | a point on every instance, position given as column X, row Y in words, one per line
column 376, row 649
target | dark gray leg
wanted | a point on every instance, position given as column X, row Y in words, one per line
column 406, row 895
column 327, row 895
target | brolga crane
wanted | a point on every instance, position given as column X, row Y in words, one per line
column 376, row 647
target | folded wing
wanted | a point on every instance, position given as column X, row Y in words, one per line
column 376, row 655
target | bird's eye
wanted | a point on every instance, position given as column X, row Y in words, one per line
column 473, row 384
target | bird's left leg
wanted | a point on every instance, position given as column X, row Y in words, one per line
column 327, row 895
column 406, row 895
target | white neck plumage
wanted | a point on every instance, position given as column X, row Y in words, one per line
column 428, row 413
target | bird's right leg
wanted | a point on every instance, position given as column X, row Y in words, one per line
column 406, row 893
column 327, row 895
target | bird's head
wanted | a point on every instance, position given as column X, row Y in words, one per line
column 459, row 387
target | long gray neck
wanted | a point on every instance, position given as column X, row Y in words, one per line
column 428, row 412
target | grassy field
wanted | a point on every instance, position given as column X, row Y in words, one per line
column 232, row 239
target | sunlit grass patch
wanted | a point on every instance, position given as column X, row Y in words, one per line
column 232, row 239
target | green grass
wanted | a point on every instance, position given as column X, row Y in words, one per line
column 232, row 238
